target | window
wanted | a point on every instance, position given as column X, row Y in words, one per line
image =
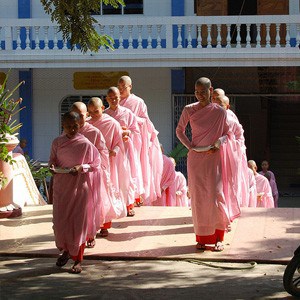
column 131, row 7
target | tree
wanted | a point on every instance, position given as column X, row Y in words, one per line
column 77, row 23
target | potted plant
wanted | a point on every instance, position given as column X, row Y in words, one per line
column 8, row 108
column 3, row 180
column 8, row 141
column 40, row 172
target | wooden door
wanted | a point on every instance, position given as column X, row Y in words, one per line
column 271, row 7
column 212, row 8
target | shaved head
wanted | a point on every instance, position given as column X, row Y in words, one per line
column 219, row 92
column 95, row 101
column 252, row 166
column 126, row 79
column 252, row 163
column 78, row 106
column 204, row 81
column 222, row 100
column 225, row 100
column 113, row 89
column 81, row 109
column 95, row 108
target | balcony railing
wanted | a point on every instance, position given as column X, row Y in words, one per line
column 139, row 37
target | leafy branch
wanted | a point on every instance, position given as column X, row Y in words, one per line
column 77, row 23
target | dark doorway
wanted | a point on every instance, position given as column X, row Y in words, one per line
column 242, row 7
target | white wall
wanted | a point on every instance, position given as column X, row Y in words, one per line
column 51, row 86
column 189, row 8
column 8, row 8
column 37, row 9
column 157, row 8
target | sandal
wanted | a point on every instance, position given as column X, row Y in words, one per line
column 102, row 233
column 76, row 269
column 229, row 228
column 63, row 259
column 90, row 243
column 218, row 247
column 130, row 213
column 200, row 246
column 139, row 203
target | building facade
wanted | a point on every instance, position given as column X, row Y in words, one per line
column 249, row 48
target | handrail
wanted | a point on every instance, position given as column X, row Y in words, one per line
column 144, row 33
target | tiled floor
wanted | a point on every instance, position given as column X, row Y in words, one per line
column 262, row 235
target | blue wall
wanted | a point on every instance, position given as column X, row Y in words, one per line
column 177, row 76
column 25, row 91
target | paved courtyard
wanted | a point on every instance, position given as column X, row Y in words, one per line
column 151, row 256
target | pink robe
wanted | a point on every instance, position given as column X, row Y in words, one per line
column 112, row 204
column 168, row 194
column 209, row 207
column 274, row 188
column 181, row 190
column 150, row 155
column 112, row 132
column 75, row 198
column 237, row 185
column 263, row 187
column 252, row 189
column 132, row 146
column 97, row 139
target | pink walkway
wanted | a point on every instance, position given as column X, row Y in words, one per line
column 262, row 235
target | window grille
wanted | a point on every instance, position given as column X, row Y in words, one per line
column 131, row 7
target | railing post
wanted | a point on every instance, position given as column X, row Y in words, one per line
column 268, row 37
column 228, row 37
column 158, row 36
column 287, row 36
column 169, row 36
column 277, row 38
column 258, row 36
column 248, row 38
column 199, row 37
column 8, row 38
column 219, row 39
column 298, row 36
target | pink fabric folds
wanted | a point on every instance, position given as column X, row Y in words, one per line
column 168, row 194
column 273, row 185
column 181, row 190
column 252, row 189
column 209, row 207
column 264, row 189
column 74, row 197
column 241, row 187
column 150, row 155
column 112, row 132
column 112, row 203
column 132, row 146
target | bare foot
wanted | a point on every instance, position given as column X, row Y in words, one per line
column 229, row 228
column 90, row 243
column 76, row 269
column 218, row 247
column 131, row 213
